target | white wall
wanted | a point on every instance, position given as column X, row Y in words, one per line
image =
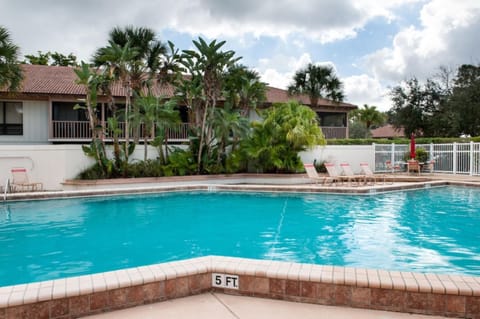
column 49, row 164
column 35, row 125
column 53, row 164
column 352, row 154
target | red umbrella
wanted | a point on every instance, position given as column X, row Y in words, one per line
column 412, row 146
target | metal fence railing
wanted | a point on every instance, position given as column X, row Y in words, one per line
column 453, row 158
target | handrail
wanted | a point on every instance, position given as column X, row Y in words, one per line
column 7, row 186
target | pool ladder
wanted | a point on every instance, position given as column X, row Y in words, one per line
column 7, row 187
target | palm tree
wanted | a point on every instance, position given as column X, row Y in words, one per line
column 229, row 127
column 117, row 63
column 369, row 116
column 317, row 82
column 10, row 72
column 133, row 57
column 91, row 80
column 209, row 65
column 243, row 89
column 155, row 114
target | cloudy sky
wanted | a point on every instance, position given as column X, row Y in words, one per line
column 373, row 45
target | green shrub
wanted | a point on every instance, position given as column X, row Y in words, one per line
column 421, row 155
column 418, row 140
column 320, row 166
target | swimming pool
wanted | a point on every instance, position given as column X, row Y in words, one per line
column 431, row 230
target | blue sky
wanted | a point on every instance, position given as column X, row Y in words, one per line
column 372, row 45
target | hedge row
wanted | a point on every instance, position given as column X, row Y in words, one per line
column 418, row 140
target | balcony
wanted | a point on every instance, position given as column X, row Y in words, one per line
column 334, row 132
column 79, row 131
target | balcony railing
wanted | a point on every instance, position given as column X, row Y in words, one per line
column 334, row 132
column 80, row 131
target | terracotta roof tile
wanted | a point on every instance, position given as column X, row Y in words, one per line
column 387, row 131
column 59, row 80
column 275, row 95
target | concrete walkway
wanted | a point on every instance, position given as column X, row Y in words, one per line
column 221, row 306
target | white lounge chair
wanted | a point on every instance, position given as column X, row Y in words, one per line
column 312, row 173
column 20, row 181
column 350, row 176
column 370, row 175
column 334, row 176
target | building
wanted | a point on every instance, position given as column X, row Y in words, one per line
column 42, row 111
column 387, row 131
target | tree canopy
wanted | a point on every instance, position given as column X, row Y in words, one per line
column 51, row 58
column 317, row 82
column 439, row 107
column 10, row 72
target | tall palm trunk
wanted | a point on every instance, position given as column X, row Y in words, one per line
column 127, row 113
column 202, row 139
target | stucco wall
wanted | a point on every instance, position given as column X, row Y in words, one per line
column 353, row 154
column 52, row 164
column 35, row 125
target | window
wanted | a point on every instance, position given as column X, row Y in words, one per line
column 11, row 118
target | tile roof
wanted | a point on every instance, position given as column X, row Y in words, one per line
column 387, row 131
column 60, row 80
column 275, row 95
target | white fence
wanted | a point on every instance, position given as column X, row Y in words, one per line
column 453, row 158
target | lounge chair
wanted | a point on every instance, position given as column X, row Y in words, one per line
column 413, row 166
column 349, row 176
column 369, row 175
column 333, row 175
column 312, row 173
column 20, row 181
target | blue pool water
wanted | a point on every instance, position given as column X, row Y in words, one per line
column 435, row 230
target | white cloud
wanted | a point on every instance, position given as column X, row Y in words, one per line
column 362, row 89
column 446, row 37
column 279, row 69
column 65, row 25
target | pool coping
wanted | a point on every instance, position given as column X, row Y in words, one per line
column 410, row 292
column 272, row 188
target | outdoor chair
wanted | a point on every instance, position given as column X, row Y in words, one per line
column 20, row 181
column 333, row 175
column 370, row 175
column 392, row 167
column 429, row 166
column 349, row 176
column 413, row 166
column 312, row 173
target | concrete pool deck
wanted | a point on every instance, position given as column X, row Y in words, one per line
column 314, row 288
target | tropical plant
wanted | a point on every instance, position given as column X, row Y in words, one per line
column 229, row 128
column 182, row 162
column 317, row 82
column 286, row 130
column 368, row 116
column 10, row 72
column 243, row 89
column 91, row 81
column 206, row 66
column 157, row 115
column 51, row 58
column 132, row 57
